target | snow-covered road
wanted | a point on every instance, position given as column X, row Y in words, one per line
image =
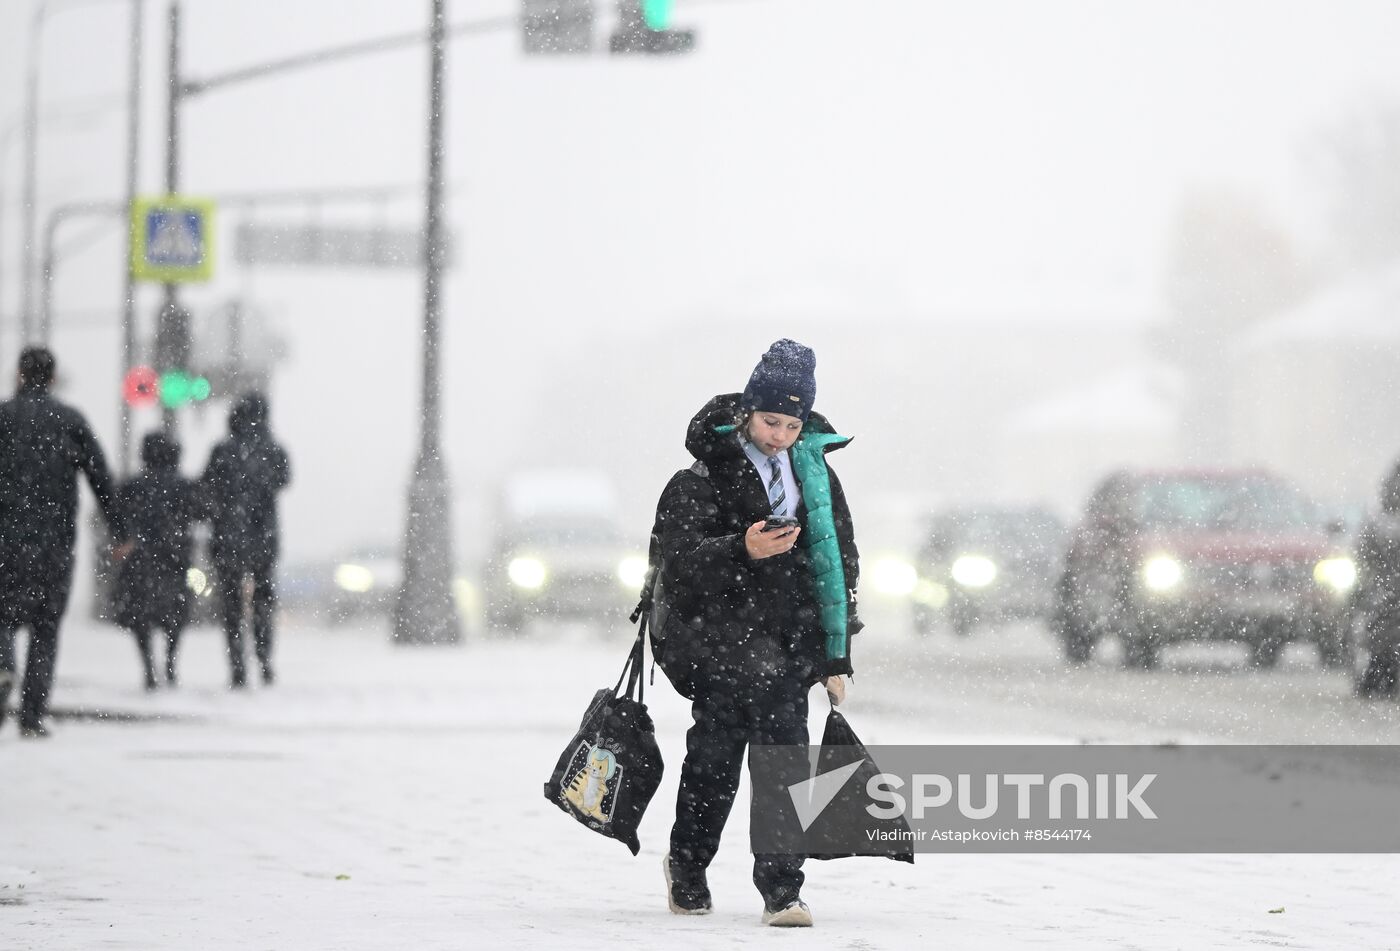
column 384, row 797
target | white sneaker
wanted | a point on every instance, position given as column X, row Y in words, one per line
column 795, row 914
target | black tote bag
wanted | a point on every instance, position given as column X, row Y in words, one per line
column 609, row 771
column 837, row 735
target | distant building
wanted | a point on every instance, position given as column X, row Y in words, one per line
column 1056, row 449
column 1315, row 390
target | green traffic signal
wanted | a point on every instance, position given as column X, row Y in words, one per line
column 178, row 388
column 657, row 13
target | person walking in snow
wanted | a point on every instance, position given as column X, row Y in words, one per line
column 44, row 444
column 152, row 592
column 1377, row 594
column 241, row 482
column 759, row 613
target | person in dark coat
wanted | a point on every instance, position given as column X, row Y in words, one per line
column 152, row 591
column 44, row 444
column 241, row 482
column 757, row 615
column 1378, row 592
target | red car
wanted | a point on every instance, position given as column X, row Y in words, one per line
column 1168, row 556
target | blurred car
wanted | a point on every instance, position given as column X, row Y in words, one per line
column 1167, row 556
column 985, row 565
column 305, row 587
column 576, row 567
column 365, row 582
column 559, row 551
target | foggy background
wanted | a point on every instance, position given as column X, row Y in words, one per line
column 1028, row 242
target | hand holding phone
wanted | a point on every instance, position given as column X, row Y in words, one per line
column 773, row 536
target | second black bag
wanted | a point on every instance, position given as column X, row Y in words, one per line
column 839, row 735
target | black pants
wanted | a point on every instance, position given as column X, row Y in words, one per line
column 726, row 722
column 231, row 582
column 148, row 660
column 39, row 662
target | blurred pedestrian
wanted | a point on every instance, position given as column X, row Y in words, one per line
column 44, row 444
column 152, row 587
column 757, row 590
column 244, row 475
column 1378, row 592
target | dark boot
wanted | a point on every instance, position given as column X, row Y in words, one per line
column 34, row 731
column 686, row 893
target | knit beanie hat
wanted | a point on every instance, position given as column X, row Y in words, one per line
column 784, row 381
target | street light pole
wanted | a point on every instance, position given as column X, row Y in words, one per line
column 28, row 321
column 133, row 156
column 48, row 268
column 31, row 148
column 169, row 313
column 425, row 612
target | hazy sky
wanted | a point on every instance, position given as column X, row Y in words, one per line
column 912, row 162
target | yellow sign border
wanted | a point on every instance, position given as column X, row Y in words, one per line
column 142, row 269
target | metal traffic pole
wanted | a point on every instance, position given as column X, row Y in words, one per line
column 133, row 156
column 425, row 612
column 169, row 335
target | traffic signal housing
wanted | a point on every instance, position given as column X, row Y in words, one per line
column 644, row 26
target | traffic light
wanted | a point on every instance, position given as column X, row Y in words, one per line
column 643, row 26
column 173, row 388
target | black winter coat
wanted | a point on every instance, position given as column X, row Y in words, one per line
column 1378, row 568
column 241, row 482
column 737, row 622
column 44, row 444
column 152, row 591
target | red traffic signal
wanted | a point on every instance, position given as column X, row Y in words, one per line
column 141, row 387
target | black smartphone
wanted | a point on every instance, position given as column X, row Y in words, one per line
column 776, row 523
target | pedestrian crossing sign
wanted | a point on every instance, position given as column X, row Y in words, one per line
column 172, row 239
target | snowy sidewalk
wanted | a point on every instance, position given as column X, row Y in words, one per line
column 384, row 797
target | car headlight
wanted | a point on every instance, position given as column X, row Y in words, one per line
column 356, row 579
column 632, row 572
column 528, row 573
column 974, row 571
column 893, row 576
column 197, row 581
column 1162, row 573
column 1339, row 574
